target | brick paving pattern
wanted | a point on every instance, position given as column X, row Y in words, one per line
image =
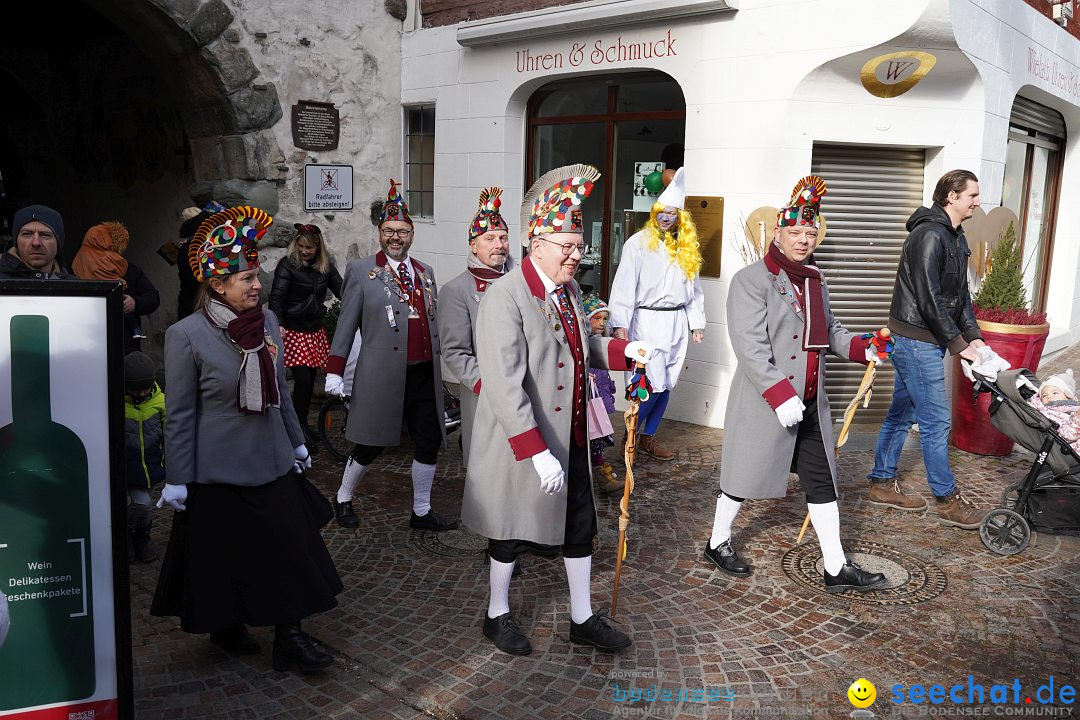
column 407, row 631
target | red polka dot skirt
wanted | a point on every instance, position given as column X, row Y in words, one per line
column 310, row 349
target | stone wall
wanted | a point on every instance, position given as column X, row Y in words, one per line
column 449, row 12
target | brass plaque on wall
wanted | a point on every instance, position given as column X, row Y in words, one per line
column 708, row 214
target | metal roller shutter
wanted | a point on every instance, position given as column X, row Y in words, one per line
column 872, row 192
column 1030, row 115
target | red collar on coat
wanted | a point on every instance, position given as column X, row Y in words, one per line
column 536, row 285
column 381, row 260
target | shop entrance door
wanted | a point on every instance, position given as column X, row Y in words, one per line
column 624, row 125
column 872, row 192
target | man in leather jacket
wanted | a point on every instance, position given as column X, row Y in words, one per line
column 931, row 312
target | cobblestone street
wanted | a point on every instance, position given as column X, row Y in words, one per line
column 407, row 630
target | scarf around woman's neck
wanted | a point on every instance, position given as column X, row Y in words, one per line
column 256, row 386
column 480, row 271
column 808, row 279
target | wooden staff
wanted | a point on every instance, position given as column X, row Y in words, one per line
column 638, row 383
column 864, row 393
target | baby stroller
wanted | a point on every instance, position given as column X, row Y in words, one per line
column 1048, row 498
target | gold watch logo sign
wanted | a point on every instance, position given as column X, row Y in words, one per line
column 892, row 75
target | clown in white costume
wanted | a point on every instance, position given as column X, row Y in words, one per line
column 657, row 298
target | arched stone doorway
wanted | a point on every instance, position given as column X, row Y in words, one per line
column 132, row 110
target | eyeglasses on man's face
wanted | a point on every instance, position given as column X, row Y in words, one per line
column 569, row 248
column 390, row 232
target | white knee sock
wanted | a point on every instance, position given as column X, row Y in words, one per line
column 726, row 510
column 499, row 587
column 826, row 520
column 579, row 578
column 353, row 472
column 422, row 476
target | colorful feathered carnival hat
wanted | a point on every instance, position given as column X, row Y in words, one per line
column 395, row 207
column 593, row 304
column 805, row 205
column 227, row 242
column 488, row 216
column 553, row 203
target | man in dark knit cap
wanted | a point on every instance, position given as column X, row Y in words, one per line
column 37, row 237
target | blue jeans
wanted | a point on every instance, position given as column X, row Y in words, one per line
column 918, row 397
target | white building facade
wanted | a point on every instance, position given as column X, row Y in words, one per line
column 878, row 98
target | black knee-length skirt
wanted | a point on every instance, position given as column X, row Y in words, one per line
column 246, row 554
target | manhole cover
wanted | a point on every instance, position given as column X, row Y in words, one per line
column 908, row 579
column 453, row 543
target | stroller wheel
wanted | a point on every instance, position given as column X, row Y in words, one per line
column 1005, row 532
column 1011, row 495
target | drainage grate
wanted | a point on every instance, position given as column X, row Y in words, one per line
column 909, row 580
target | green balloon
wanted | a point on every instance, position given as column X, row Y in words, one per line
column 654, row 182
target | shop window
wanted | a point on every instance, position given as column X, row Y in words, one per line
column 1030, row 188
column 420, row 160
column 626, row 126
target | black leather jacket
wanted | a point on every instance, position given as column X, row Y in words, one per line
column 298, row 295
column 931, row 301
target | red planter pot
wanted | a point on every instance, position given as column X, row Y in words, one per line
column 1021, row 346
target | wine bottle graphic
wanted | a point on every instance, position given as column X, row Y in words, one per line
column 48, row 656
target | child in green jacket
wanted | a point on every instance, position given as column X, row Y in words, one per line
column 144, row 425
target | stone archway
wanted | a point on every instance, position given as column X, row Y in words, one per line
column 226, row 111
column 132, row 110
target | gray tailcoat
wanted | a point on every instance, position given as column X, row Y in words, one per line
column 526, row 405
column 765, row 327
column 459, row 304
column 378, row 383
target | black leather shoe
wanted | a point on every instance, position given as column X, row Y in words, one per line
column 344, row 514
column 597, row 631
column 727, row 559
column 235, row 639
column 506, row 634
column 294, row 648
column 853, row 577
column 431, row 521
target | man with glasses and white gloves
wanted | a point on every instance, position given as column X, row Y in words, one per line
column 529, row 484
column 390, row 299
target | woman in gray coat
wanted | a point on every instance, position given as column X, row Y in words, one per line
column 245, row 546
column 777, row 419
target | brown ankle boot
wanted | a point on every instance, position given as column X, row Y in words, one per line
column 890, row 494
column 957, row 510
column 649, row 445
column 608, row 482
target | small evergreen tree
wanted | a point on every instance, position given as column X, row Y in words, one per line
column 1002, row 297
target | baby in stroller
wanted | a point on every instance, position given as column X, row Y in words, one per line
column 1057, row 400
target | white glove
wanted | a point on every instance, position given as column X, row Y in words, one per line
column 873, row 357
column 790, row 412
column 638, row 351
column 303, row 459
column 335, row 385
column 550, row 472
column 174, row 495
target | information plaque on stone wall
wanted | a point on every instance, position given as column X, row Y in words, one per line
column 315, row 125
column 708, row 214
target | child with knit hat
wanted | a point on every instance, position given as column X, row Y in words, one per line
column 601, row 384
column 1057, row 400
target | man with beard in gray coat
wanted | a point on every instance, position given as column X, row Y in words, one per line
column 777, row 420
column 390, row 298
